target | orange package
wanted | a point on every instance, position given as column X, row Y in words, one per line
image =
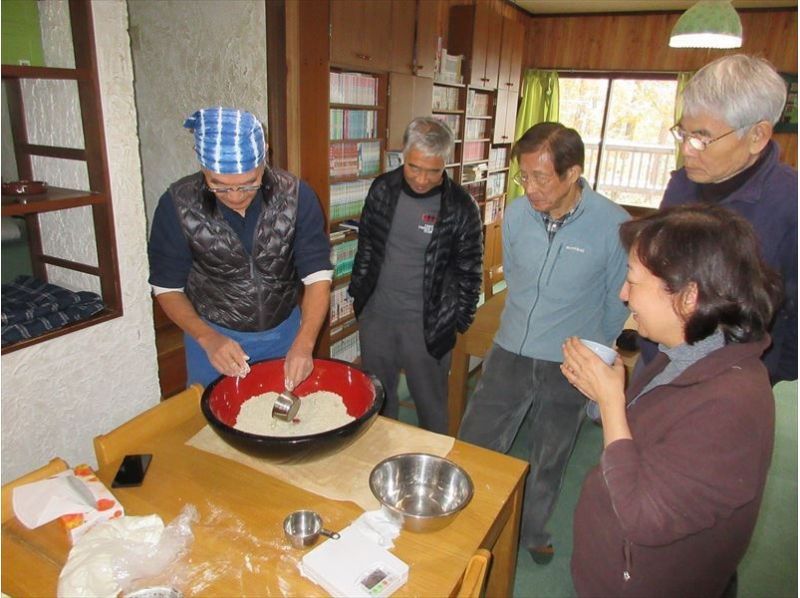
column 106, row 505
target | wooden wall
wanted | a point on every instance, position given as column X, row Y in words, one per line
column 639, row 42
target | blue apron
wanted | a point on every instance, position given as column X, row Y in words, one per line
column 266, row 344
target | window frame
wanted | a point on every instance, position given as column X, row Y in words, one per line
column 611, row 76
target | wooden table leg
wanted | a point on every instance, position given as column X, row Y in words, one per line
column 504, row 552
column 457, row 387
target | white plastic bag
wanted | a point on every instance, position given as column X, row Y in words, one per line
column 112, row 556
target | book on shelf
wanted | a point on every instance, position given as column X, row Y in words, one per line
column 478, row 103
column 347, row 349
column 445, row 98
column 497, row 158
column 476, row 190
column 342, row 256
column 349, row 225
column 495, row 184
column 451, row 120
column 476, row 129
column 492, row 210
column 475, row 150
column 354, row 158
column 353, row 124
column 448, row 67
column 341, row 304
column 353, row 88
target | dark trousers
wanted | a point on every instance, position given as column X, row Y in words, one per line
column 391, row 345
column 511, row 387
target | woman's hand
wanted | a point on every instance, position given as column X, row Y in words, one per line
column 604, row 384
column 587, row 372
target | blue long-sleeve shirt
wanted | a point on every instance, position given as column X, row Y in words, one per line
column 565, row 287
column 171, row 258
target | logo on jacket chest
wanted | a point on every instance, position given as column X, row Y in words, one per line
column 427, row 222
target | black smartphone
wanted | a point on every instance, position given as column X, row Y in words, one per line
column 131, row 471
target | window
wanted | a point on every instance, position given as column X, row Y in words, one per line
column 624, row 121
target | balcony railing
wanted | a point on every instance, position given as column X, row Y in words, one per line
column 631, row 173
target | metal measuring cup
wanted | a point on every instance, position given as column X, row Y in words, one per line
column 302, row 528
column 286, row 406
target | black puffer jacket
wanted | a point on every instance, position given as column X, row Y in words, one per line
column 452, row 276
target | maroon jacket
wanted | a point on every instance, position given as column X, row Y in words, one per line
column 671, row 512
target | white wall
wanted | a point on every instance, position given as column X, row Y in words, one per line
column 58, row 395
column 189, row 55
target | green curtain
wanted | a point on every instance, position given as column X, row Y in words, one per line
column 683, row 79
column 539, row 104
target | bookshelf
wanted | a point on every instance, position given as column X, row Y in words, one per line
column 356, row 143
column 448, row 106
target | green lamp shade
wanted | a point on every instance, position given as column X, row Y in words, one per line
column 708, row 24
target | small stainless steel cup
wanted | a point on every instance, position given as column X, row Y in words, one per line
column 302, row 528
column 286, row 406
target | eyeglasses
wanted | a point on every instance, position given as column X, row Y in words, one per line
column 240, row 189
column 698, row 143
column 523, row 180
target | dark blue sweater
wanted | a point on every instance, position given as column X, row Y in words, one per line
column 767, row 198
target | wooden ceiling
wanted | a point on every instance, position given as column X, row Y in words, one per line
column 590, row 6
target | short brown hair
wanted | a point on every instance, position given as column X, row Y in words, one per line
column 564, row 145
column 718, row 251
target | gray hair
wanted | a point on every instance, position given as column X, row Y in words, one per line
column 741, row 89
column 430, row 136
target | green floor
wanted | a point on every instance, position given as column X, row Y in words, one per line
column 769, row 569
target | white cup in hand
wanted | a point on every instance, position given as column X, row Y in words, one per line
column 607, row 354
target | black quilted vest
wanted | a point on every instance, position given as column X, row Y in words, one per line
column 226, row 285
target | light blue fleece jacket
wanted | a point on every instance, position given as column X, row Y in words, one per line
column 565, row 287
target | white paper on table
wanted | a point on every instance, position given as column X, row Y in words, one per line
column 41, row 502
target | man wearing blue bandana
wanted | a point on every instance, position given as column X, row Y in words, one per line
column 230, row 248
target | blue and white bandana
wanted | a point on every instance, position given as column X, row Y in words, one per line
column 226, row 140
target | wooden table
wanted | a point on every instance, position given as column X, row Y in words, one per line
column 476, row 341
column 239, row 548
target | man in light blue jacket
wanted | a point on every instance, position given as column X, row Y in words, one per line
column 564, row 267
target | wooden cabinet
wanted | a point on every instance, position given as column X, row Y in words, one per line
column 476, row 32
column 409, row 97
column 512, row 47
column 427, row 34
column 505, row 116
column 93, row 154
column 403, row 54
column 361, row 34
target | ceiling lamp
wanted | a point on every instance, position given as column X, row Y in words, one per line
column 708, row 24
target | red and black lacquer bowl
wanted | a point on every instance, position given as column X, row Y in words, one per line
column 362, row 394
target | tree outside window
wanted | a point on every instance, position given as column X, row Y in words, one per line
column 624, row 121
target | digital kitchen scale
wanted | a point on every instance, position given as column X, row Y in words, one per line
column 354, row 565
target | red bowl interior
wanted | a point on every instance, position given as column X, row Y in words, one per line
column 354, row 386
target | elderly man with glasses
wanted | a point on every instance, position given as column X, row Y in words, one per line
column 564, row 265
column 230, row 248
column 729, row 109
column 417, row 272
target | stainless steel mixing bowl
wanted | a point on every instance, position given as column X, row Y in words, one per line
column 426, row 491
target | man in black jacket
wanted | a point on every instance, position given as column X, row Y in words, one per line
column 417, row 272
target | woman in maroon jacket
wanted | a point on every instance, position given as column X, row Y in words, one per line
column 670, row 509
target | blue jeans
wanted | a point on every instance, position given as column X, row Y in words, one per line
column 266, row 344
column 513, row 389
